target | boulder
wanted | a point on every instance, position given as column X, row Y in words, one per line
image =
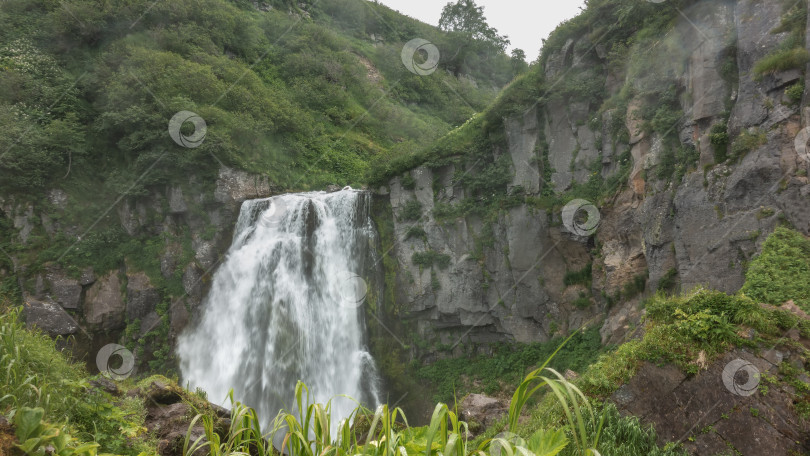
column 87, row 277
column 142, row 297
column 104, row 305
column 49, row 317
column 66, row 291
column 106, row 384
column 481, row 411
column 237, row 186
column 168, row 415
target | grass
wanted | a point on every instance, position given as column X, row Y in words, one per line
column 41, row 386
column 781, row 272
column 385, row 432
column 502, row 369
column 781, row 60
column 430, row 258
column 579, row 277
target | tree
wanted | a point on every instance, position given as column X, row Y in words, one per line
column 467, row 18
column 519, row 64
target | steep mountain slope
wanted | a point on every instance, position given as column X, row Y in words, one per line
column 110, row 224
column 677, row 121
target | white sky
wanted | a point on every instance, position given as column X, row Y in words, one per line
column 525, row 22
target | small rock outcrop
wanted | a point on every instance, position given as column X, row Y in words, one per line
column 104, row 306
column 481, row 411
column 48, row 317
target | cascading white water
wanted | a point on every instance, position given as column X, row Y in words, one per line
column 286, row 305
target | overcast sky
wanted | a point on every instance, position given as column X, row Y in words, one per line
column 526, row 22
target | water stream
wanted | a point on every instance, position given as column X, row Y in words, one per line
column 286, row 305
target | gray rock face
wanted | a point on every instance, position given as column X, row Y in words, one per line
column 65, row 291
column 522, row 138
column 142, row 297
column 754, row 21
column 104, row 306
column 49, row 317
column 237, row 186
column 177, row 203
column 495, row 296
column 505, row 275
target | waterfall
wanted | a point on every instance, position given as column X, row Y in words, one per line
column 286, row 305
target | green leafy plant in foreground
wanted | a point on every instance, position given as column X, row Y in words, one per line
column 40, row 438
column 386, row 432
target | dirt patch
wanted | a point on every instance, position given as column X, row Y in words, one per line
column 8, row 439
column 372, row 73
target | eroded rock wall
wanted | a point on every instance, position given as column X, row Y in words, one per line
column 192, row 223
column 504, row 278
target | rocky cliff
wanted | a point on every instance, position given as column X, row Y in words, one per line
column 96, row 305
column 691, row 147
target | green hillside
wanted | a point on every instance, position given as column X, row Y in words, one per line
column 307, row 94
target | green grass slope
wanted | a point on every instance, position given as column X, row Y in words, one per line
column 308, row 93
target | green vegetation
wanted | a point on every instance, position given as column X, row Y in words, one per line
column 304, row 93
column 416, row 232
column 783, row 60
column 635, row 287
column 747, row 142
column 40, row 383
column 795, row 93
column 503, row 368
column 307, row 102
column 580, row 277
column 430, row 258
column 791, row 53
column 688, row 330
column 719, row 140
column 411, row 211
column 782, row 271
column 668, row 281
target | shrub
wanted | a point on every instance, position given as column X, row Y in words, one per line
column 416, row 232
column 635, row 287
column 583, row 301
column 430, row 258
column 795, row 92
column 719, row 140
column 408, row 182
column 781, row 60
column 782, row 271
column 668, row 280
column 411, row 211
column 580, row 277
column 746, row 142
